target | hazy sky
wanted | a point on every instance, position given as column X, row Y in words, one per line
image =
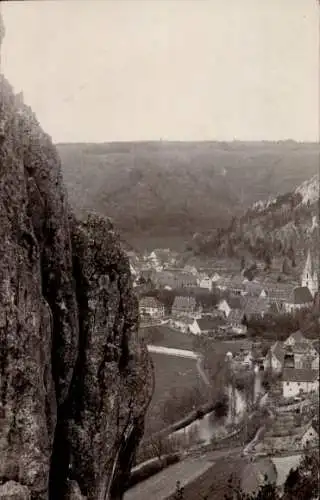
column 110, row 70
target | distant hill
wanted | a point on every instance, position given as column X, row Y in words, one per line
column 162, row 189
column 284, row 226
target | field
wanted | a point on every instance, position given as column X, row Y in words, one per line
column 168, row 337
column 171, row 374
column 213, row 484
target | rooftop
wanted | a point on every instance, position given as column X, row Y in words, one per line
column 301, row 375
column 301, row 295
column 209, row 323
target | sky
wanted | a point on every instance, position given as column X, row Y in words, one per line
column 122, row 70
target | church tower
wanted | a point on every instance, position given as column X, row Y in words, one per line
column 309, row 276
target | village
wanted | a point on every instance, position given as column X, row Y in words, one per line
column 219, row 305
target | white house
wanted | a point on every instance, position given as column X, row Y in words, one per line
column 295, row 382
column 224, row 307
column 152, row 307
column 155, row 261
column 204, row 281
column 207, row 324
column 216, row 278
column 310, row 436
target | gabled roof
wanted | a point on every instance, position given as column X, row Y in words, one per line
column 301, row 375
column 298, row 337
column 254, row 288
column 209, row 323
column 278, row 351
column 301, row 295
column 184, row 320
column 316, row 345
column 256, row 305
column 151, row 302
column 235, row 316
column 236, row 302
column 301, row 347
column 186, row 302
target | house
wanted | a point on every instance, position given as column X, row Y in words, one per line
column 184, row 280
column 183, row 324
column 150, row 306
column 204, row 281
column 154, row 261
column 316, row 345
column 216, row 278
column 296, row 337
column 173, row 279
column 255, row 289
column 276, row 307
column 304, row 355
column 237, row 285
column 255, row 473
column 274, row 359
column 235, row 321
column 295, row 352
column 300, row 298
column 295, row 382
column 310, row 435
column 234, row 285
column 185, row 306
column 206, row 325
column 278, row 293
column 227, row 305
column 256, row 308
column 190, row 270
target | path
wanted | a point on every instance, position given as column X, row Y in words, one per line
column 169, row 351
column 162, row 485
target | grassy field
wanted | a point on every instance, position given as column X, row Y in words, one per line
column 171, row 374
column 214, row 482
column 167, row 337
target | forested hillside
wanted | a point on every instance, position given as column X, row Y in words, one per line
column 284, row 226
column 175, row 188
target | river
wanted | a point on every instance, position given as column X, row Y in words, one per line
column 208, row 427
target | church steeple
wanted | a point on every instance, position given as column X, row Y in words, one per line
column 309, row 276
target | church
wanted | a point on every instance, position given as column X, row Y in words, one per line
column 309, row 276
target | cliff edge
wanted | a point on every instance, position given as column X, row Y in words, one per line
column 75, row 382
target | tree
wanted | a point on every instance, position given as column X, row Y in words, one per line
column 303, row 482
column 266, row 491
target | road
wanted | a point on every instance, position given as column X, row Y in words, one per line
column 162, row 485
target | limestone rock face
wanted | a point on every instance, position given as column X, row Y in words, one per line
column 14, row 491
column 74, row 379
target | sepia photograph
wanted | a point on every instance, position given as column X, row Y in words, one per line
column 159, row 250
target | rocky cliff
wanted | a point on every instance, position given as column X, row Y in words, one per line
column 285, row 226
column 74, row 380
